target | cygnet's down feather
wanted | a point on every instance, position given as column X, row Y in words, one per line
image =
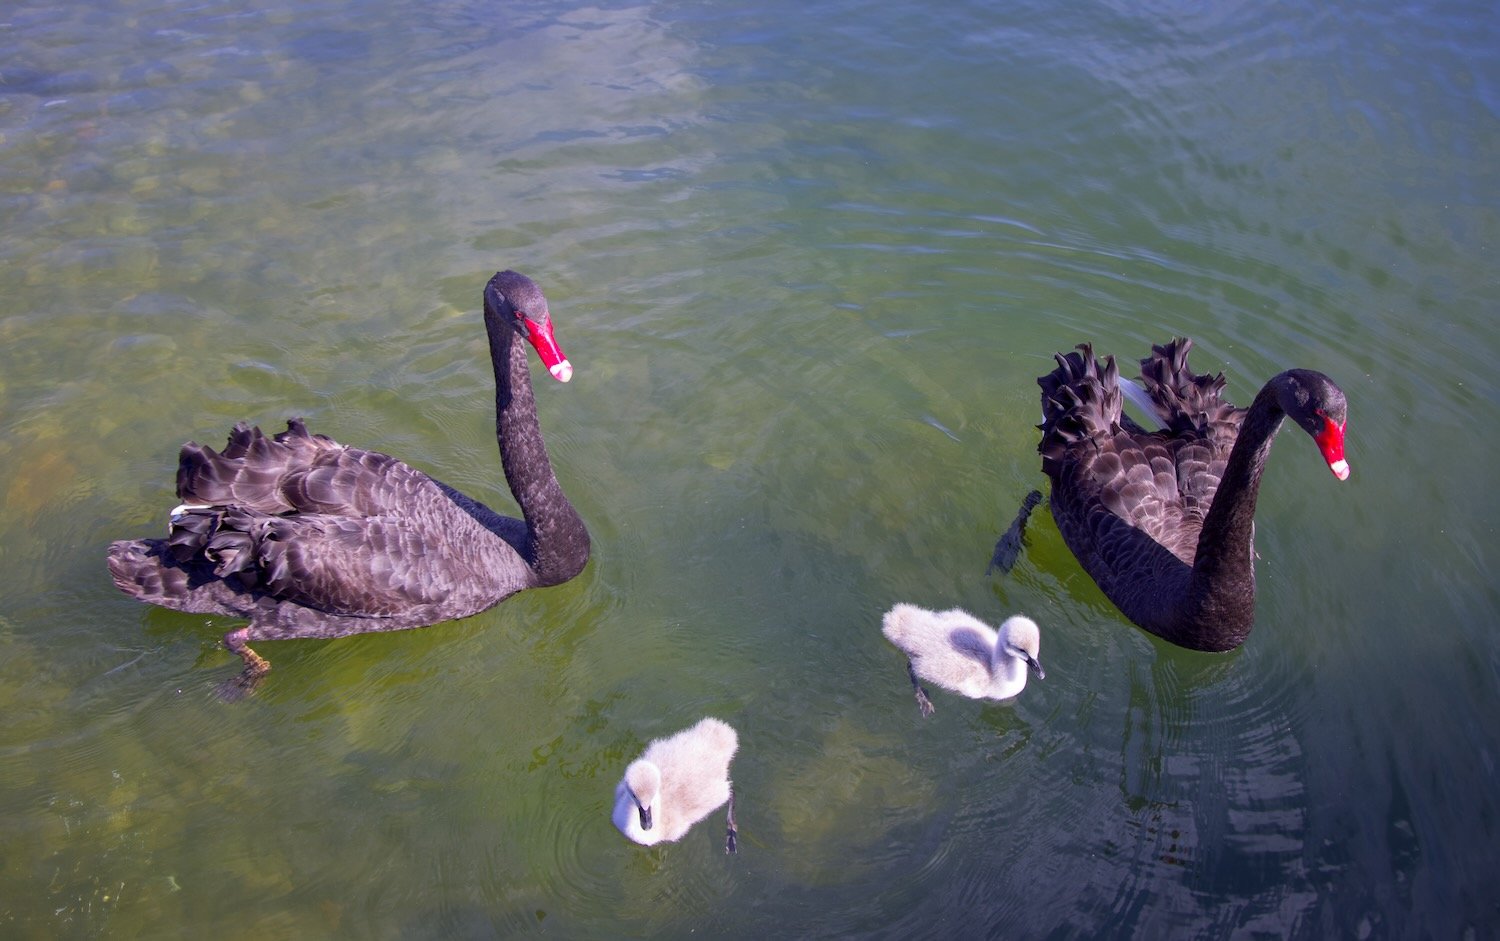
column 959, row 652
column 676, row 782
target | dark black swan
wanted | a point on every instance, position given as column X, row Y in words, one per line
column 1163, row 520
column 308, row 538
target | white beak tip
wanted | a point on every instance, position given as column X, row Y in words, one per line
column 1340, row 469
column 562, row 372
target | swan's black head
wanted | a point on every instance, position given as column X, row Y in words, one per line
column 1317, row 404
column 515, row 298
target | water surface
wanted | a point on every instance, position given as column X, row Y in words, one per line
column 808, row 264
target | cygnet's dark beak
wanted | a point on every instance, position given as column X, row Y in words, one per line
column 645, row 817
column 1036, row 667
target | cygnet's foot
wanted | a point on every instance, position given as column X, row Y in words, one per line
column 923, row 703
column 730, row 842
column 256, row 667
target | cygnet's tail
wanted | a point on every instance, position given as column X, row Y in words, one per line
column 904, row 622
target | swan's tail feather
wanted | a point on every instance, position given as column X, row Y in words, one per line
column 210, row 556
column 137, row 569
column 146, row 569
column 1080, row 402
column 1184, row 400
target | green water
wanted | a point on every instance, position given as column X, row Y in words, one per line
column 807, row 264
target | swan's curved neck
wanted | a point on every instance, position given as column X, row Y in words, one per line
column 1219, row 608
column 1003, row 666
column 557, row 544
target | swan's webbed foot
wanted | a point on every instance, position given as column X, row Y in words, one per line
column 923, row 703
column 256, row 667
column 730, row 842
column 1008, row 549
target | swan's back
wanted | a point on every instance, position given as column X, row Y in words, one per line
column 695, row 769
column 953, row 642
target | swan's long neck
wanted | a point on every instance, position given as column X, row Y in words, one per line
column 1219, row 607
column 1003, row 666
column 557, row 544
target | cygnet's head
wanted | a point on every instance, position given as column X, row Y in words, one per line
column 1022, row 639
column 644, row 781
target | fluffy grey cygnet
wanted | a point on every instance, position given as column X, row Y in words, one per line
column 957, row 651
column 676, row 782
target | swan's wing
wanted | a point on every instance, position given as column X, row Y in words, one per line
column 1095, row 459
column 1159, row 484
column 1185, row 401
column 373, row 566
column 342, row 531
column 1137, row 572
column 1080, row 405
column 430, row 560
column 975, row 644
column 1135, row 479
column 295, row 472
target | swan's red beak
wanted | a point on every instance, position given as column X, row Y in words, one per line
column 540, row 335
column 1331, row 442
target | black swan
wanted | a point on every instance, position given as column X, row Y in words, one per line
column 1164, row 520
column 308, row 538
